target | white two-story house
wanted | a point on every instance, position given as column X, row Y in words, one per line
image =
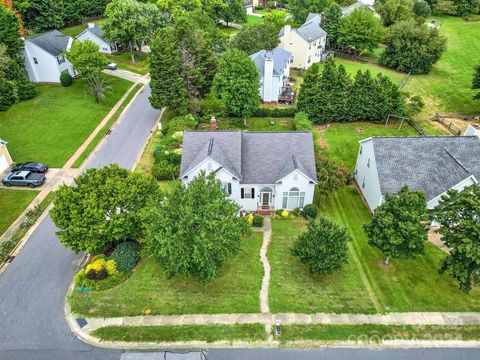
column 260, row 171
column 94, row 33
column 44, row 61
column 274, row 69
column 306, row 43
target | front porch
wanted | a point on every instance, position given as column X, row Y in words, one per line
column 264, row 209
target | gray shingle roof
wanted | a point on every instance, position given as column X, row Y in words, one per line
column 351, row 8
column 257, row 157
column 433, row 164
column 314, row 16
column 311, row 31
column 98, row 32
column 280, row 58
column 53, row 42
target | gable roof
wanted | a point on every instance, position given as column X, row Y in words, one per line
column 351, row 8
column 53, row 42
column 95, row 30
column 433, row 164
column 279, row 56
column 262, row 157
column 315, row 17
column 310, row 30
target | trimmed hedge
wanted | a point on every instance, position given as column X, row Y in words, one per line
column 66, row 79
column 257, row 221
column 310, row 211
column 126, row 256
column 275, row 112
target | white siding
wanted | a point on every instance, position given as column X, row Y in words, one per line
column 47, row 68
column 294, row 180
column 471, row 131
column 460, row 186
column 302, row 50
column 105, row 47
column 366, row 174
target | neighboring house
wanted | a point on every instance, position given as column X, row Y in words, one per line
column 306, row 43
column 94, row 33
column 5, row 158
column 274, row 69
column 261, row 171
column 473, row 130
column 43, row 56
column 433, row 164
column 364, row 4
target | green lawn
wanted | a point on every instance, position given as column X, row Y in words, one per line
column 169, row 333
column 352, row 68
column 227, row 30
column 50, row 127
column 123, row 60
column 251, row 20
column 342, row 138
column 448, row 86
column 253, row 124
column 376, row 333
column 294, row 289
column 235, row 290
column 12, row 204
column 404, row 285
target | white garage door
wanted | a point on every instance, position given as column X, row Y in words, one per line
column 3, row 163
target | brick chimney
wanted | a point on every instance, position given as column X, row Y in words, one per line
column 213, row 123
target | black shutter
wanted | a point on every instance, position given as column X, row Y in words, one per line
column 242, row 193
column 229, row 188
column 253, row 193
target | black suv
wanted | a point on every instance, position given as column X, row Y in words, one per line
column 31, row 166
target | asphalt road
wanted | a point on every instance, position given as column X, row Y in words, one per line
column 33, row 287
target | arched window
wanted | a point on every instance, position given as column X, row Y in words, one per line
column 266, row 189
column 294, row 198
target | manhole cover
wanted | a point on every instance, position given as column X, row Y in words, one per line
column 81, row 322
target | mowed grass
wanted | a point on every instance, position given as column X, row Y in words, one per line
column 77, row 29
column 342, row 138
column 169, row 333
column 448, row 86
column 149, row 291
column 352, row 68
column 12, row 204
column 371, row 333
column 253, row 124
column 252, row 19
column 124, row 61
column 50, row 127
column 406, row 284
column 294, row 289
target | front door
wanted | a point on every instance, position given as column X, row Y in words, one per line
column 265, row 199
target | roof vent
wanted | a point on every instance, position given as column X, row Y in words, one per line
column 210, row 147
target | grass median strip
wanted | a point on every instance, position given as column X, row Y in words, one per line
column 105, row 129
column 377, row 333
column 170, row 333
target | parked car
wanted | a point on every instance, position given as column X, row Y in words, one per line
column 31, row 166
column 112, row 66
column 23, row 178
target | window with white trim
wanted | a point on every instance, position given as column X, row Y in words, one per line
column 368, row 163
column 35, row 60
column 247, row 193
column 294, row 198
column 227, row 187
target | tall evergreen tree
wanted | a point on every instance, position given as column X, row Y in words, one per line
column 45, row 15
column 10, row 31
column 167, row 86
column 476, row 82
column 331, row 23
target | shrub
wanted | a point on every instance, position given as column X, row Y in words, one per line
column 126, row 255
column 99, row 274
column 331, row 175
column 250, row 218
column 258, row 221
column 111, row 267
column 26, row 90
column 279, row 212
column 163, row 170
column 79, row 278
column 7, row 95
column 296, row 212
column 285, row 214
column 103, row 284
column 310, row 211
column 301, row 122
column 274, row 112
column 180, row 123
column 323, row 247
column 66, row 79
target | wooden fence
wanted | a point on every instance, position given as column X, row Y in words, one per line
column 441, row 118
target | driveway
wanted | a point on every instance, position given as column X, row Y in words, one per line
column 124, row 74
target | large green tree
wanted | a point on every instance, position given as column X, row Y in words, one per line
column 396, row 227
column 253, row 38
column 476, row 82
column 10, row 31
column 458, row 214
column 392, row 11
column 45, row 14
column 104, row 206
column 179, row 7
column 360, row 30
column 412, row 47
column 323, row 248
column 234, row 11
column 275, row 18
column 421, row 9
column 301, row 8
column 466, row 7
column 331, row 23
column 86, row 58
column 237, row 83
column 195, row 229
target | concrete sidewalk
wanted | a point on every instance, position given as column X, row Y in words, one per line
column 413, row 318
